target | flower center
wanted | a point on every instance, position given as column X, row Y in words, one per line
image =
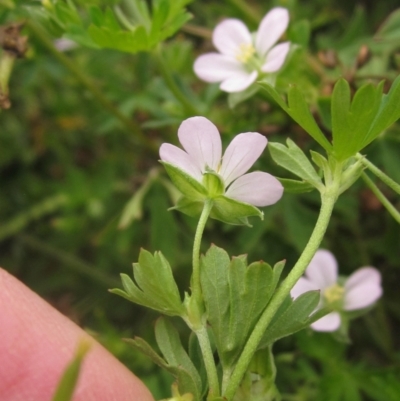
column 334, row 294
column 245, row 53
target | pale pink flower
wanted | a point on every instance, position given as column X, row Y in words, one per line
column 358, row 291
column 202, row 152
column 242, row 56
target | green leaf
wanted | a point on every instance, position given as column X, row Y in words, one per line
column 231, row 211
column 155, row 285
column 351, row 121
column 294, row 160
column 144, row 347
column 293, row 316
column 388, row 113
column 125, row 41
column 170, row 345
column 297, row 108
column 294, row 186
column 69, row 379
column 185, row 380
column 235, row 296
column 190, row 187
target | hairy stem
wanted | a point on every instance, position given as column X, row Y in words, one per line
column 382, row 198
column 380, row 174
column 328, row 198
column 209, row 362
column 196, row 285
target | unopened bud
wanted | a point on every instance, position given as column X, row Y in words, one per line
column 364, row 55
column 328, row 58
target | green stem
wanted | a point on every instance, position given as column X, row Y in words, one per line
column 199, row 327
column 196, row 285
column 173, row 87
column 328, row 199
column 129, row 124
column 382, row 198
column 380, row 174
column 209, row 362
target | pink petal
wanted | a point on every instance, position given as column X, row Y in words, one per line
column 276, row 57
column 215, row 67
column 201, row 140
column 271, row 29
column 303, row 285
column 330, row 322
column 362, row 289
column 229, row 35
column 238, row 82
column 176, row 156
column 322, row 269
column 257, row 188
column 241, row 154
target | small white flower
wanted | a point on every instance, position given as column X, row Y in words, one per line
column 358, row 291
column 203, row 152
column 243, row 57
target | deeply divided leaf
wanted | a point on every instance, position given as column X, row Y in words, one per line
column 171, row 347
column 291, row 317
column 155, row 286
column 235, row 296
column 292, row 158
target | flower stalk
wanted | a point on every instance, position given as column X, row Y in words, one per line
column 328, row 200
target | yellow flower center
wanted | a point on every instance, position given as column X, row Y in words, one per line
column 245, row 53
column 334, row 294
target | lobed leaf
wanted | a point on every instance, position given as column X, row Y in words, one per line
column 293, row 316
column 292, row 158
column 178, row 360
column 235, row 295
column 155, row 286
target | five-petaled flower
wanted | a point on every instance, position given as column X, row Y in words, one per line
column 243, row 57
column 202, row 156
column 358, row 291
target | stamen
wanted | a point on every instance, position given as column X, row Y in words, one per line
column 334, row 293
column 245, row 53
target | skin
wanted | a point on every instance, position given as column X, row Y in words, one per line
column 37, row 343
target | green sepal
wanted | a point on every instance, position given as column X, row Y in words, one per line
column 294, row 186
column 293, row 159
column 214, row 184
column 298, row 109
column 155, row 286
column 187, row 185
column 187, row 206
column 291, row 317
column 234, row 212
column 351, row 120
column 225, row 209
column 235, row 296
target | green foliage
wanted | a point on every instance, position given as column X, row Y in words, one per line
column 114, row 28
column 292, row 316
column 176, row 362
column 235, row 295
column 155, row 286
column 294, row 160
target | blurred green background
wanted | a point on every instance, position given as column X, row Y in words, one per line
column 82, row 190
